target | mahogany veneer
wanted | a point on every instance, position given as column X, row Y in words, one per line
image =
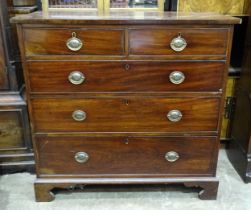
column 125, row 76
column 51, row 41
column 126, row 156
column 202, row 41
column 125, row 107
column 121, row 114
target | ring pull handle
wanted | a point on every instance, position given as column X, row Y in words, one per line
column 76, row 77
column 178, row 44
column 74, row 43
column 172, row 156
column 79, row 115
column 81, row 157
column 176, row 77
column 174, row 115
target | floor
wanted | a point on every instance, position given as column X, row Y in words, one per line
column 16, row 193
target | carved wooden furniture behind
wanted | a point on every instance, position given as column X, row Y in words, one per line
column 126, row 98
column 239, row 152
column 15, row 141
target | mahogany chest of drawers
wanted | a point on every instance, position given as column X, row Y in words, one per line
column 125, row 98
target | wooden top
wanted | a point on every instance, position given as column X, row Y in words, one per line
column 124, row 17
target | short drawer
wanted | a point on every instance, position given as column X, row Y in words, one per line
column 108, row 156
column 47, row 41
column 125, row 76
column 202, row 41
column 125, row 114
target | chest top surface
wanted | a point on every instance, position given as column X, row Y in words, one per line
column 137, row 17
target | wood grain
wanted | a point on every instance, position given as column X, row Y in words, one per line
column 126, row 18
column 4, row 84
column 11, row 130
column 157, row 41
column 126, row 131
column 111, row 156
column 207, row 186
column 127, row 114
column 112, row 76
column 222, row 6
column 53, row 41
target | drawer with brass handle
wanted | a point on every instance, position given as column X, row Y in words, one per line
column 59, row 41
column 125, row 76
column 96, row 156
column 125, row 114
column 184, row 41
column 125, row 98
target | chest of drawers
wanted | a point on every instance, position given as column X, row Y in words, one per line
column 125, row 98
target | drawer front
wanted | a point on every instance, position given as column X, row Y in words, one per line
column 53, row 41
column 125, row 76
column 157, row 41
column 125, row 114
column 96, row 156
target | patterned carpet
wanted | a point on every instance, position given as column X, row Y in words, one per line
column 16, row 193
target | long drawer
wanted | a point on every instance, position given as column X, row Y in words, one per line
column 112, row 76
column 53, row 41
column 108, row 156
column 201, row 41
column 125, row 114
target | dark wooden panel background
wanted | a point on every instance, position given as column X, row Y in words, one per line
column 16, row 153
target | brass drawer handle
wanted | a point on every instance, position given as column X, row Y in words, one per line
column 178, row 44
column 76, row 77
column 74, row 44
column 177, row 77
column 79, row 115
column 172, row 156
column 81, row 157
column 174, row 115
